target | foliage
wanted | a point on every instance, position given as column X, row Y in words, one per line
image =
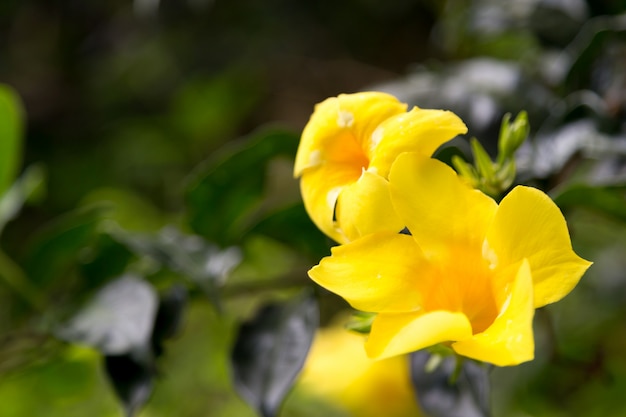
column 148, row 213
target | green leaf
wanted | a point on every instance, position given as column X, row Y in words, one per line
column 483, row 162
column 21, row 191
column 608, row 200
column 11, row 131
column 451, row 389
column 57, row 248
column 361, row 322
column 293, row 226
column 227, row 195
column 270, row 351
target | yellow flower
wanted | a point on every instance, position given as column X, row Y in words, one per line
column 470, row 274
column 338, row 370
column 345, row 154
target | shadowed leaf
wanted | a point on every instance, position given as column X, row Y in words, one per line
column 270, row 350
column 450, row 392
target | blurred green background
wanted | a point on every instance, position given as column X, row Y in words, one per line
column 158, row 137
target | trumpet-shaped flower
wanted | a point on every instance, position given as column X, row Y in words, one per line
column 471, row 272
column 345, row 154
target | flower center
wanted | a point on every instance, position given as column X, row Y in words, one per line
column 463, row 282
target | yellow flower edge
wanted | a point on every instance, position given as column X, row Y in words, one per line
column 338, row 370
column 345, row 154
column 470, row 274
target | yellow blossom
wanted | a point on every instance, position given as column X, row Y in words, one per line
column 471, row 273
column 345, row 154
column 338, row 370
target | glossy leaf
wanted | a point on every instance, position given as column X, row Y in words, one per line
column 448, row 391
column 11, row 130
column 118, row 320
column 270, row 350
column 190, row 255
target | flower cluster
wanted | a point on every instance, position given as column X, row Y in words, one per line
column 468, row 273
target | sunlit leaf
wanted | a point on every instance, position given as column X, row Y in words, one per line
column 447, row 391
column 11, row 130
column 21, row 191
column 270, row 350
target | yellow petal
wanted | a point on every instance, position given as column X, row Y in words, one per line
column 509, row 340
column 375, row 273
column 528, row 225
column 394, row 334
column 365, row 207
column 419, row 130
column 320, row 188
column 440, row 210
column 343, row 122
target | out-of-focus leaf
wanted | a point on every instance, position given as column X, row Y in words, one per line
column 607, row 200
column 361, row 322
column 293, row 226
column 450, row 392
column 22, row 190
column 591, row 42
column 130, row 210
column 207, row 111
column 270, row 350
column 190, row 255
column 11, row 130
column 548, row 153
column 169, row 316
column 57, row 247
column 118, row 320
column 226, row 196
column 131, row 379
column 479, row 90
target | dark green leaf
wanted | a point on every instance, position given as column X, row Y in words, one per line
column 225, row 197
column 607, row 200
column 270, row 350
column 293, row 226
column 131, row 379
column 449, row 391
column 118, row 320
column 11, row 127
column 57, row 247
